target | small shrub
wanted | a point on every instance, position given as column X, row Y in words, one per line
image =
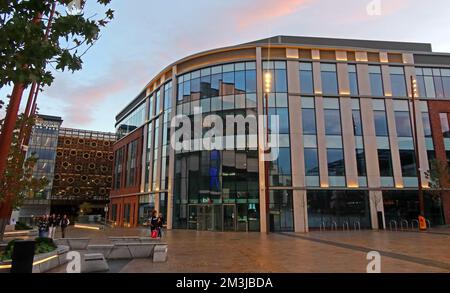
column 42, row 245
column 22, row 226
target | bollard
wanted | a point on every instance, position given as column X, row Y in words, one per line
column 22, row 257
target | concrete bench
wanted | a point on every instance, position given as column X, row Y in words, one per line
column 129, row 239
column 160, row 253
column 134, row 239
column 74, row 243
column 131, row 250
column 104, row 249
column 94, row 262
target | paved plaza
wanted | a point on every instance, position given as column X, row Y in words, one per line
column 316, row 252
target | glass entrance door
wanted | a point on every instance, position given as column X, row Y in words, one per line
column 205, row 218
column 212, row 217
column 229, row 218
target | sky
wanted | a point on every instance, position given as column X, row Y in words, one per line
column 148, row 35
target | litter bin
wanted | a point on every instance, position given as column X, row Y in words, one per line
column 22, row 257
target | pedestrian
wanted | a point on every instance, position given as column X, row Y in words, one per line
column 52, row 223
column 160, row 224
column 154, row 224
column 64, row 223
column 43, row 226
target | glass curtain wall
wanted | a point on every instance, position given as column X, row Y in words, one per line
column 218, row 189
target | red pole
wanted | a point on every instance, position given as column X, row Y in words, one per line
column 6, row 139
column 30, row 99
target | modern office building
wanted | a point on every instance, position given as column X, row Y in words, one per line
column 43, row 143
column 346, row 153
column 77, row 163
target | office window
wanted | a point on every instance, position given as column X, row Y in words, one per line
column 407, row 161
column 306, row 78
column 420, row 82
column 445, row 125
column 446, row 82
column 439, row 87
column 311, row 162
column 361, row 162
column 357, row 123
column 426, row 124
column 336, row 163
column 250, row 81
column 381, row 127
column 277, row 69
column 376, row 81
column 131, row 164
column 329, row 79
column 385, row 163
column 309, row 121
column 429, row 83
column 403, row 124
column 332, row 122
column 353, row 78
column 118, row 167
column 398, row 82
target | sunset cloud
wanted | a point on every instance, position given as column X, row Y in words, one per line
column 82, row 99
column 265, row 10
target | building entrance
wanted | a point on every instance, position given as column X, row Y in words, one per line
column 208, row 217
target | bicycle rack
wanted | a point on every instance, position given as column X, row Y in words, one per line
column 334, row 225
column 404, row 222
column 395, row 224
column 412, row 224
column 428, row 223
column 323, row 226
column 345, row 225
column 357, row 224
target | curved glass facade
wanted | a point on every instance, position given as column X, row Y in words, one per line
column 218, row 189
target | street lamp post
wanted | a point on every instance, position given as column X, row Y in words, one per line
column 267, row 89
column 414, row 94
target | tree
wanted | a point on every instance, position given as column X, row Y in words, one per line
column 19, row 183
column 438, row 175
column 34, row 34
column 26, row 46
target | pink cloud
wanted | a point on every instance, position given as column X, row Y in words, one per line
column 359, row 14
column 267, row 10
column 82, row 100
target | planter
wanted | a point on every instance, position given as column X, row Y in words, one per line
column 43, row 262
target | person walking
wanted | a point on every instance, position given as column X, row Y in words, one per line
column 154, row 224
column 52, row 223
column 64, row 223
column 43, row 226
column 160, row 224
